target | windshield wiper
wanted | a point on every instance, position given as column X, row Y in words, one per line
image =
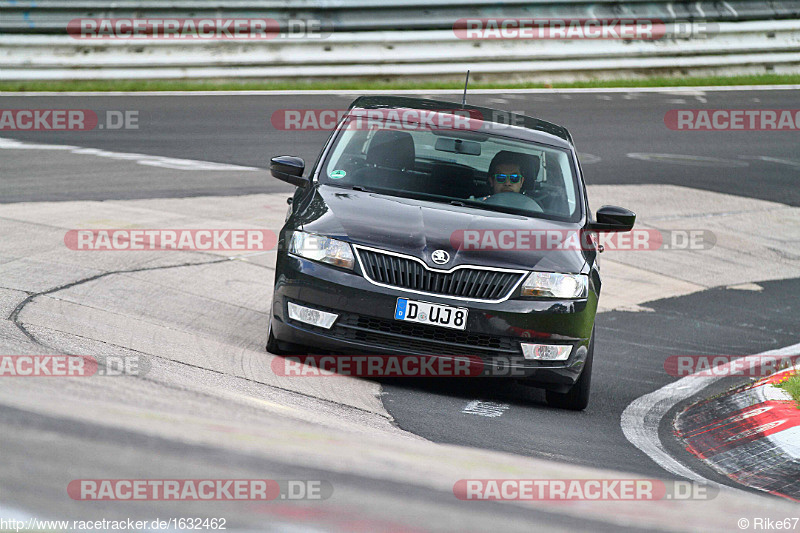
column 359, row 188
column 475, row 204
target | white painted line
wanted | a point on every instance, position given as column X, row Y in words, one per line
column 768, row 391
column 791, row 162
column 588, row 159
column 488, row 409
column 641, row 419
column 688, row 160
column 141, row 159
column 788, row 441
column 755, row 287
column 719, row 88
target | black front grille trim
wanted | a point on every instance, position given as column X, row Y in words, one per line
column 410, row 274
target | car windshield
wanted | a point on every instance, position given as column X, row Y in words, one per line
column 472, row 168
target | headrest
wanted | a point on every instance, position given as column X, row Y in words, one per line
column 391, row 149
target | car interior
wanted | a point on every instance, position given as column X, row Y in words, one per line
column 389, row 159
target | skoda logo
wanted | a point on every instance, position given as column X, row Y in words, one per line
column 440, row 257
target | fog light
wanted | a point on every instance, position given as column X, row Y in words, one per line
column 546, row 352
column 315, row 317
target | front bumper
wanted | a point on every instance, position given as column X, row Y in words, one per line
column 366, row 324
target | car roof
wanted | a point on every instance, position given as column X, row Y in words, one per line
column 511, row 124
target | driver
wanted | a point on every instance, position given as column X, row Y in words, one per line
column 505, row 173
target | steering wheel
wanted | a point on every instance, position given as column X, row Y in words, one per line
column 514, row 200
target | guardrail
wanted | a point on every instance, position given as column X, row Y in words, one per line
column 765, row 46
column 50, row 16
column 411, row 38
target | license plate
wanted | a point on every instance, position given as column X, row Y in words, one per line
column 445, row 316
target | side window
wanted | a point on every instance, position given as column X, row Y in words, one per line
column 560, row 184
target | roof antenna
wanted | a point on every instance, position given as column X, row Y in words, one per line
column 464, row 99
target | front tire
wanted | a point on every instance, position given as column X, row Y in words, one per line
column 274, row 347
column 577, row 397
column 272, row 344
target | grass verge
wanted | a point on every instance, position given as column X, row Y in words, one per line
column 791, row 384
column 354, row 84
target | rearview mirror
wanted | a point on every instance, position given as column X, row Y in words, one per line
column 290, row 169
column 457, row 146
column 613, row 218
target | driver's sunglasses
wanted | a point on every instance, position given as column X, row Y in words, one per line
column 513, row 178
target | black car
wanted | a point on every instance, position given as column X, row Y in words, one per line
column 393, row 243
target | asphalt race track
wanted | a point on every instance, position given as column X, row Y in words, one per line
column 634, row 347
column 238, row 130
column 209, row 407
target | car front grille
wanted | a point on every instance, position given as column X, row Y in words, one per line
column 411, row 274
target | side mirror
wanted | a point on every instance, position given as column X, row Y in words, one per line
column 290, row 169
column 613, row 218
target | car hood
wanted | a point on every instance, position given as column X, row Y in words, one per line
column 418, row 227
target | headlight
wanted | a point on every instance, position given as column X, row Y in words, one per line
column 552, row 285
column 321, row 248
